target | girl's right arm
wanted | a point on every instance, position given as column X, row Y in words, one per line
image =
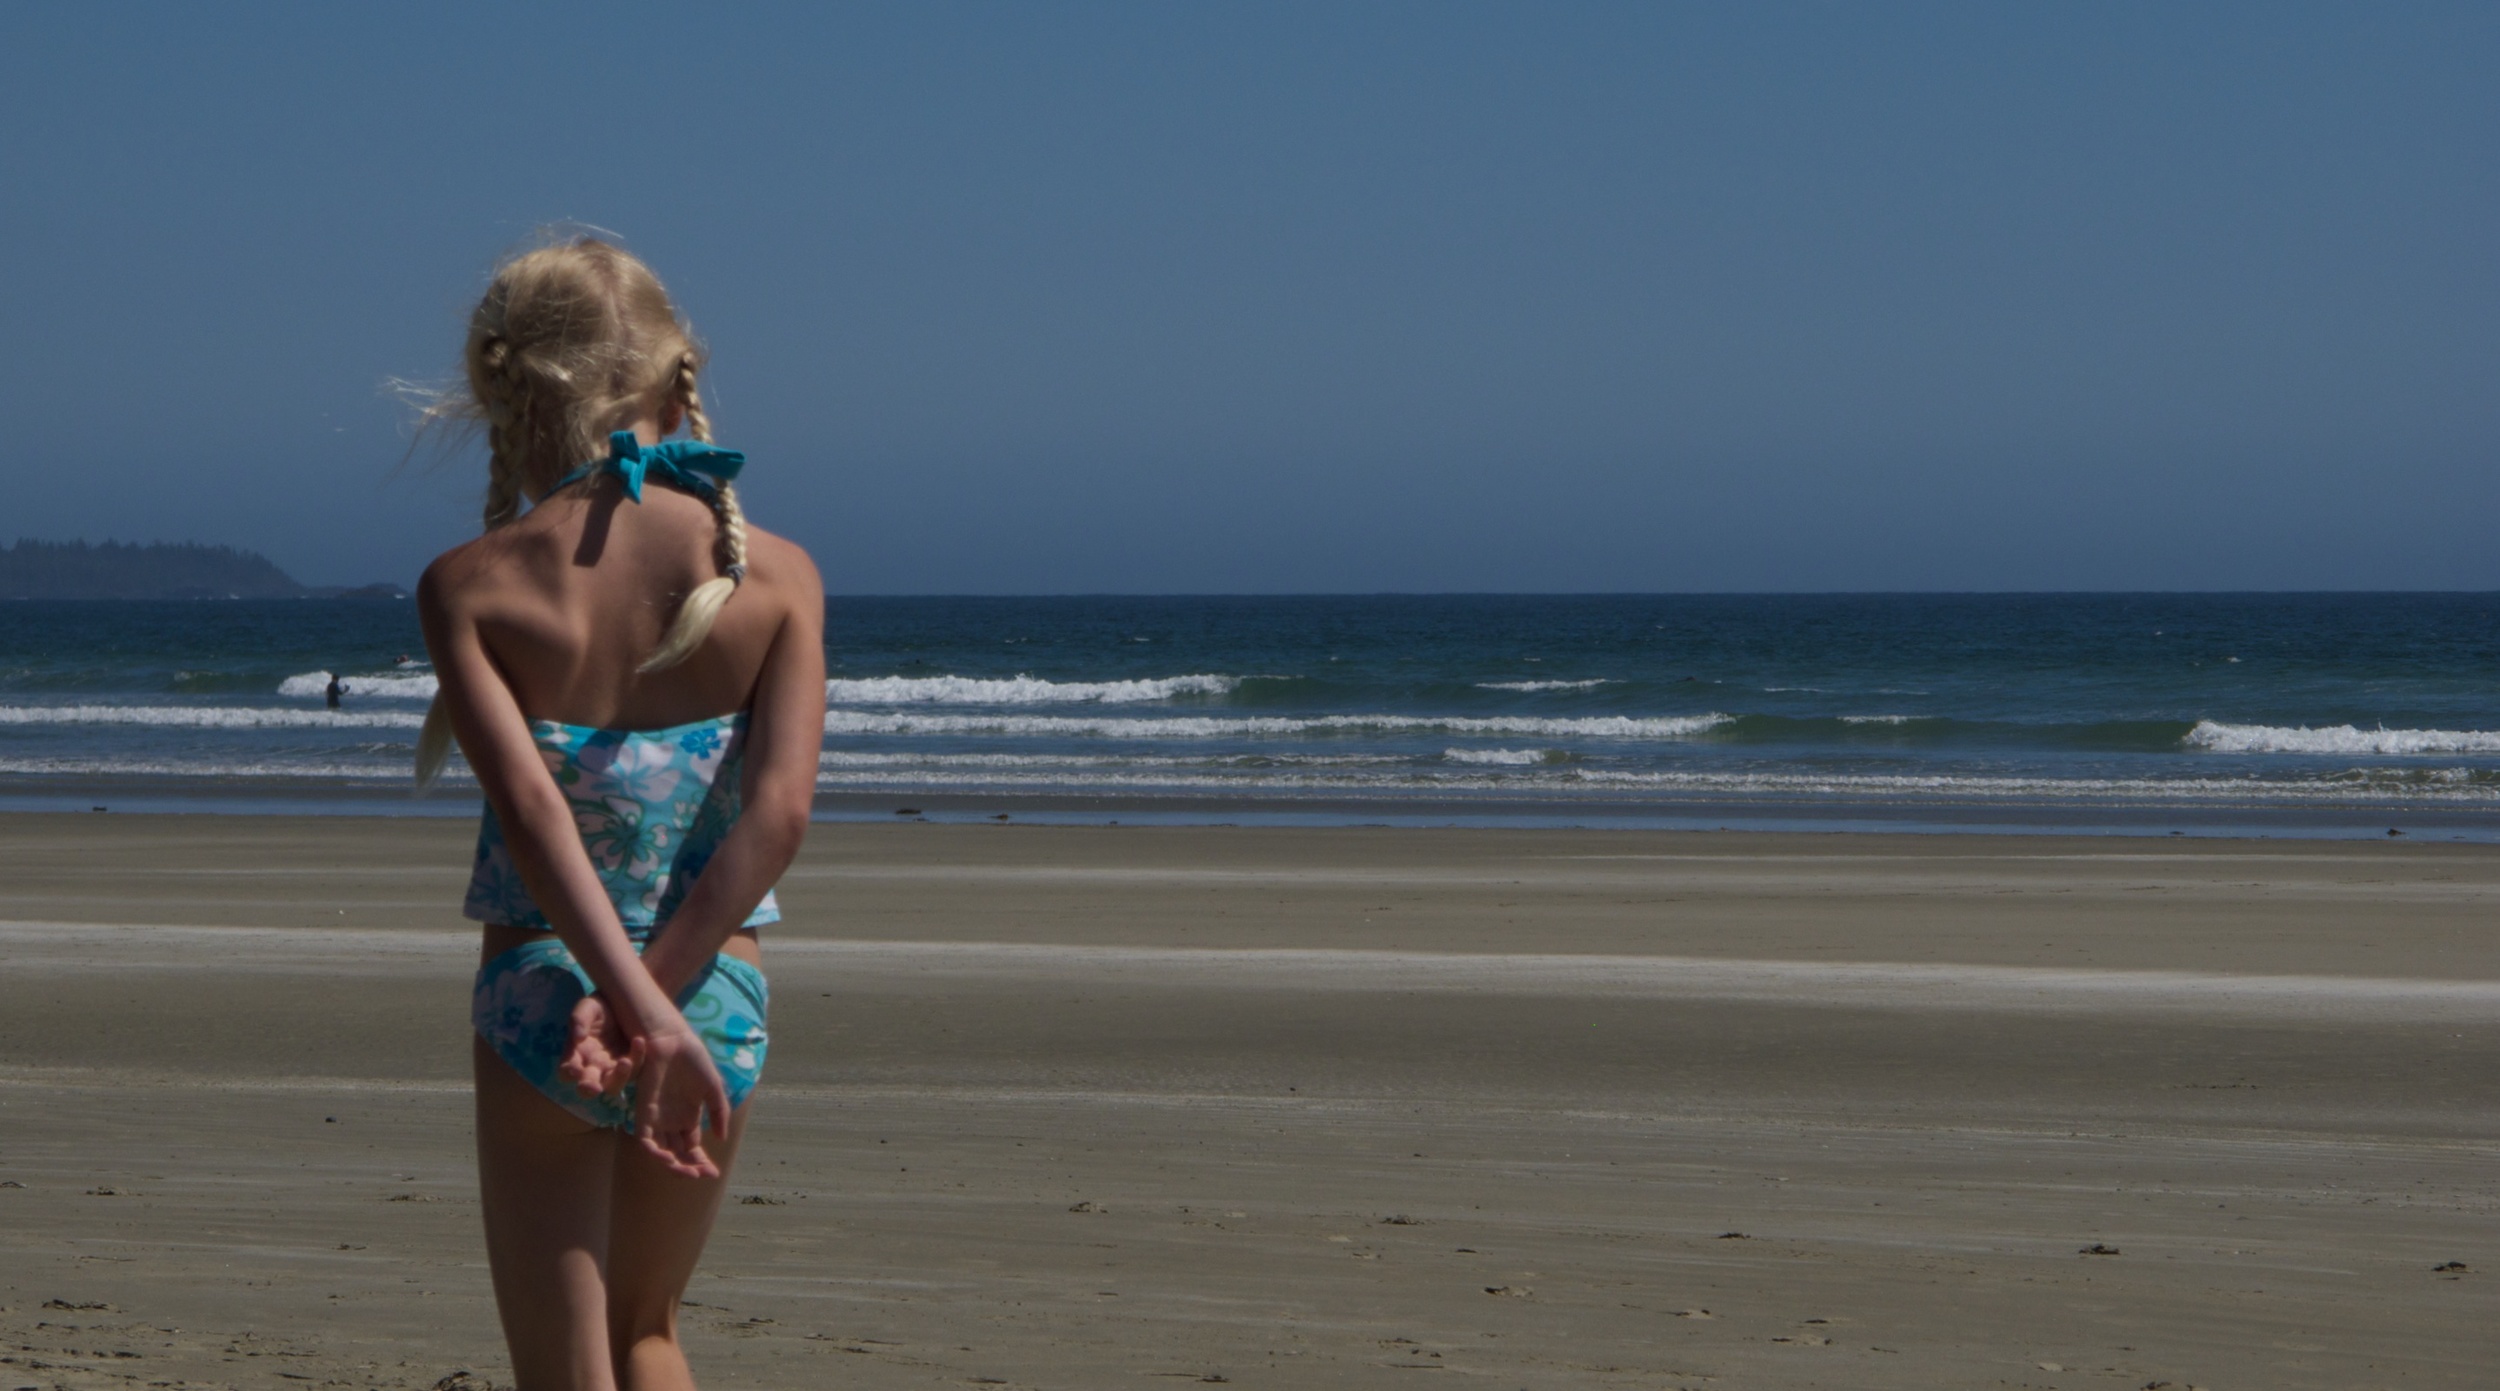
column 680, row 1086
column 785, row 743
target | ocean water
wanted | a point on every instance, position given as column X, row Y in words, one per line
column 2294, row 714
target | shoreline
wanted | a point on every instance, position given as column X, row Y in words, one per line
column 1836, row 815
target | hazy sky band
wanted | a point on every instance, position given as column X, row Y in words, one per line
column 1165, row 298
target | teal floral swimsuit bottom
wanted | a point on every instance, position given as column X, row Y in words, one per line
column 523, row 1008
column 652, row 807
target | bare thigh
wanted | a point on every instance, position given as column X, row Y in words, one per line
column 544, row 1180
column 658, row 1226
column 590, row 1240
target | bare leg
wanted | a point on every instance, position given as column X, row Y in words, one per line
column 660, row 1223
column 544, row 1177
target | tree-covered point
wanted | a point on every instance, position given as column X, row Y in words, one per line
column 115, row 570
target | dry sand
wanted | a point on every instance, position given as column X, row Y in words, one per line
column 1110, row 1107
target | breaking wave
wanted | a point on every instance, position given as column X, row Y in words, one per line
column 392, row 771
column 1254, row 727
column 209, row 717
column 1018, row 690
column 1501, row 758
column 1571, row 785
column 2347, row 739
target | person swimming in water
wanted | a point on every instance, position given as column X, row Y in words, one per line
column 334, row 691
column 646, row 784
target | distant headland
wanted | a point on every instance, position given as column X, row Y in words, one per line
column 113, row 570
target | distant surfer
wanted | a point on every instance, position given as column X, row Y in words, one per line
column 334, row 690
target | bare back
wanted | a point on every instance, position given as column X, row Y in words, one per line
column 569, row 600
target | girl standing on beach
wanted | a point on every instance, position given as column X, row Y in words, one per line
column 636, row 676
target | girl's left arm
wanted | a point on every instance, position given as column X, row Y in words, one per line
column 785, row 740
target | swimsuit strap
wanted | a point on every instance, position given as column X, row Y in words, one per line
column 687, row 465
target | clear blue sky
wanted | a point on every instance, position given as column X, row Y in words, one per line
column 1337, row 297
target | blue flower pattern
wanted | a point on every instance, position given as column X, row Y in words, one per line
column 652, row 807
column 522, row 1005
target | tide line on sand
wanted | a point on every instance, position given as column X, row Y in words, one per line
column 1841, row 984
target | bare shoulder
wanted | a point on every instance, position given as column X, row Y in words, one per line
column 785, row 569
column 491, row 575
column 453, row 577
column 473, row 571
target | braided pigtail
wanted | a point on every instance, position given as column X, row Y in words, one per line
column 433, row 743
column 505, row 400
column 696, row 616
column 690, row 400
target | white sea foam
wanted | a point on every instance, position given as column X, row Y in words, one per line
column 2193, row 791
column 847, row 758
column 1570, row 785
column 386, row 685
column 1506, row 758
column 878, row 690
column 391, row 770
column 1543, row 685
column 1272, row 726
column 209, row 717
column 1174, row 780
column 1882, row 719
column 1017, row 690
column 2216, row 737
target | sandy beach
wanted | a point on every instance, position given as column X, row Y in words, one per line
column 1089, row 1107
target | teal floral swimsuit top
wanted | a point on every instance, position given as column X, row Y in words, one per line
column 651, row 805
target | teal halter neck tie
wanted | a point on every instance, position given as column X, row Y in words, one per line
column 687, row 465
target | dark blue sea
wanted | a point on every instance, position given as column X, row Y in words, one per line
column 2314, row 714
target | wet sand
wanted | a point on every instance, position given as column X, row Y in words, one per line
column 1313, row 1108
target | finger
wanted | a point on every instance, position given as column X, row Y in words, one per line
column 695, row 1163
column 686, row 1145
column 679, row 1153
column 661, row 1134
column 651, row 1145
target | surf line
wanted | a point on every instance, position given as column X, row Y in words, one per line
column 1872, row 984
column 1848, row 984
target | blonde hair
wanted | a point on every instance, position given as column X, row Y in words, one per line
column 574, row 340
